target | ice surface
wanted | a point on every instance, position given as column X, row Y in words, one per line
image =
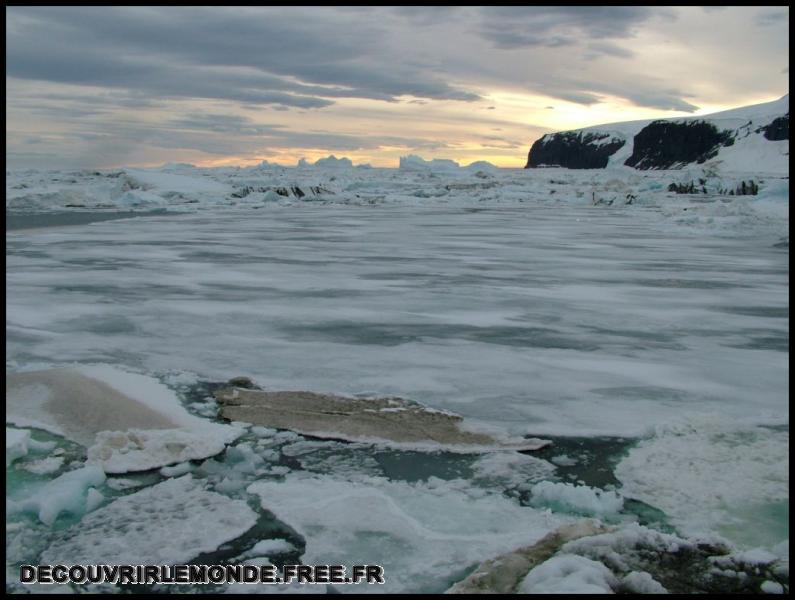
column 569, row 574
column 502, row 295
column 523, row 317
column 168, row 523
column 425, row 535
column 690, row 469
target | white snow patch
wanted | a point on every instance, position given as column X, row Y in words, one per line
column 569, row 574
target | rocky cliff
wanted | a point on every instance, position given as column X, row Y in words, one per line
column 740, row 139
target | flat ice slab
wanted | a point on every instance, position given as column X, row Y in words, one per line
column 361, row 420
column 68, row 403
column 128, row 422
column 168, row 523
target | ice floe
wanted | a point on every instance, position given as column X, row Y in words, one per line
column 141, row 450
column 129, row 422
column 376, row 420
column 690, row 469
column 426, row 535
column 168, row 523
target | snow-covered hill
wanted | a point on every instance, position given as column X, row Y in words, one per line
column 751, row 138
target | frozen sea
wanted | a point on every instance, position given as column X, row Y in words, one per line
column 664, row 331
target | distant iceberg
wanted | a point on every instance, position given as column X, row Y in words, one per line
column 329, row 162
column 412, row 162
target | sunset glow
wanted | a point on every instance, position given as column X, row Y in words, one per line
column 105, row 87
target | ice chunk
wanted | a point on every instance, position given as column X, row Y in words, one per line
column 140, row 450
column 569, row 574
column 16, row 444
column 45, row 466
column 772, row 587
column 563, row 460
column 511, row 469
column 66, row 493
column 176, row 470
column 93, row 499
column 168, row 523
column 641, row 582
column 581, row 499
column 426, row 535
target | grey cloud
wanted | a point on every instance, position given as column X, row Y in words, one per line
column 606, row 48
column 772, row 17
column 288, row 57
column 553, row 26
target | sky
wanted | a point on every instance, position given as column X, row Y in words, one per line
column 105, row 87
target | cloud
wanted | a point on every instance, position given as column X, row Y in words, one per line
column 192, row 82
column 609, row 49
column 297, row 58
column 515, row 27
column 769, row 18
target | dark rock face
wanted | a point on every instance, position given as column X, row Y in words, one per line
column 664, row 144
column 778, row 129
column 573, row 150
